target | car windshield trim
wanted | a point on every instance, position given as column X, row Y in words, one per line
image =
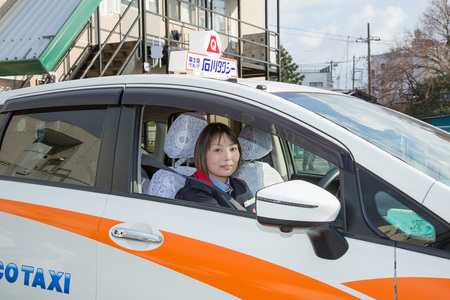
column 421, row 145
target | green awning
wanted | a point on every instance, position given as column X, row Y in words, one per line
column 35, row 34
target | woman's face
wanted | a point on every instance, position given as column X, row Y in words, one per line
column 222, row 157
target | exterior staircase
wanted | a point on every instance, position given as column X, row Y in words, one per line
column 115, row 58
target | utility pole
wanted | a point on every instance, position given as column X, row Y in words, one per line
column 346, row 65
column 361, row 40
column 353, row 74
column 332, row 64
column 331, row 74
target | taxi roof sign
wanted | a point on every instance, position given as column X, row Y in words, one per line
column 203, row 57
column 205, row 42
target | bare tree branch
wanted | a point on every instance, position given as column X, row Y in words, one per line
column 416, row 72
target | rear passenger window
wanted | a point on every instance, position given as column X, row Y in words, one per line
column 53, row 146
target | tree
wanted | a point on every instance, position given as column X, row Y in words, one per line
column 417, row 71
column 430, row 98
column 289, row 71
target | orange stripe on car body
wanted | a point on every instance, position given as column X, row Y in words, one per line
column 241, row 275
column 407, row 288
column 236, row 273
column 79, row 223
column 423, row 288
column 382, row 288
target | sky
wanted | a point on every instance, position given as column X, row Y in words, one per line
column 316, row 32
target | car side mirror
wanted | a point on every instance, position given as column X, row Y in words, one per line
column 300, row 204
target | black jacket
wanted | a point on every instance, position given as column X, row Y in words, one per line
column 196, row 191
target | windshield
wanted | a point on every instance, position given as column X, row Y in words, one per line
column 423, row 146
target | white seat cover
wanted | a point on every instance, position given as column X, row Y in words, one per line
column 166, row 184
column 182, row 136
column 179, row 144
column 256, row 144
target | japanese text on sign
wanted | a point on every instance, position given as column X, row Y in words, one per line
column 219, row 66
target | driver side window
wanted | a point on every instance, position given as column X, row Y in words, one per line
column 179, row 130
column 271, row 152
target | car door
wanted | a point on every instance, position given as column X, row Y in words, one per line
column 53, row 157
column 170, row 248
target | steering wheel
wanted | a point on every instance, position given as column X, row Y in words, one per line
column 328, row 178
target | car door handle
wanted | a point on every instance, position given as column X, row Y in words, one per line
column 125, row 233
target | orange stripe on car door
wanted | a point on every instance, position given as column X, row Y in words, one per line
column 233, row 272
column 407, row 288
column 79, row 223
column 382, row 288
column 236, row 273
column 423, row 288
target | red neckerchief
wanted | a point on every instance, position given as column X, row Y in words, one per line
column 200, row 175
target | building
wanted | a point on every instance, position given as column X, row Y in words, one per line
column 45, row 41
column 320, row 78
column 394, row 73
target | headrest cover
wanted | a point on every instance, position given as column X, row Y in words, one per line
column 255, row 143
column 183, row 134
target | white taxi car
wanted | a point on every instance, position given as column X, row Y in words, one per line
column 352, row 199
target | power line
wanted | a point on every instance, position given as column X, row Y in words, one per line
column 318, row 32
column 321, row 37
column 327, row 63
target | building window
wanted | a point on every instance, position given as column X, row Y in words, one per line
column 184, row 10
column 195, row 12
column 316, row 84
column 150, row 5
column 219, row 6
column 202, row 17
column 187, row 12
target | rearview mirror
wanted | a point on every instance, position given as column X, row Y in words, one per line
column 300, row 204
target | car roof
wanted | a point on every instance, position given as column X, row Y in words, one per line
column 268, row 86
column 280, row 87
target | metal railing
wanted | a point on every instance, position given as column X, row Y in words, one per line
column 98, row 56
column 85, row 52
column 270, row 61
column 240, row 38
